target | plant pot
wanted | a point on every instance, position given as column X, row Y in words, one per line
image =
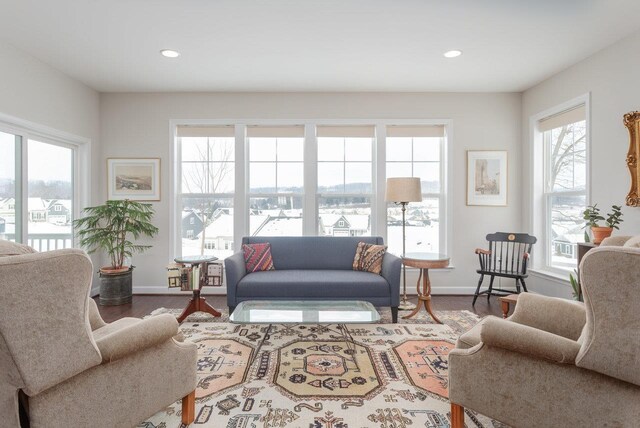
column 600, row 233
column 115, row 286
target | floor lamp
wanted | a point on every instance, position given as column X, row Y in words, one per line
column 401, row 191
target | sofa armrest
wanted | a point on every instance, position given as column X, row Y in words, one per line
column 391, row 267
column 527, row 340
column 136, row 337
column 235, row 270
column 562, row 317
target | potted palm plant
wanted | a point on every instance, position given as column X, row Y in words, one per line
column 110, row 227
column 593, row 217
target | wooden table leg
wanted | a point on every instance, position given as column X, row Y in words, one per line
column 417, row 308
column 424, row 296
column 198, row 303
column 505, row 309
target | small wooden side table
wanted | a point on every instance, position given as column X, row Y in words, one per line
column 506, row 301
column 197, row 302
column 424, row 262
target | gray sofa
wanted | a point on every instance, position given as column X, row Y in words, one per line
column 314, row 268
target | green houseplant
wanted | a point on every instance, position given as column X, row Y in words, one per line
column 110, row 227
column 593, row 216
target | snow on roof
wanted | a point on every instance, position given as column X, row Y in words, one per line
column 280, row 226
column 36, row 204
column 221, row 226
column 64, row 202
column 358, row 221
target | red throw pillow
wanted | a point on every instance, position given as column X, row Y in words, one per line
column 257, row 257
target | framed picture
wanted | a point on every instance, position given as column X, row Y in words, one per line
column 137, row 179
column 487, row 177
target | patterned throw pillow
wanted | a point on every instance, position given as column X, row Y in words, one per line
column 257, row 257
column 369, row 257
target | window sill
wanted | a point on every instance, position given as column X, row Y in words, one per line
column 552, row 275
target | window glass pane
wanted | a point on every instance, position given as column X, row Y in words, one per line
column 290, row 177
column 567, row 150
column 275, row 216
column 262, row 177
column 194, row 177
column 344, row 216
column 262, row 149
column 207, row 226
column 290, row 149
column 422, row 227
column 194, row 149
column 399, row 169
column 426, row 149
column 357, row 149
column 50, row 190
column 357, row 177
column 399, row 149
column 567, row 228
column 330, row 177
column 221, row 177
column 429, row 173
column 330, row 149
column 8, row 186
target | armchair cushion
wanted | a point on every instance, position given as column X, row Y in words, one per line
column 633, row 242
column 614, row 241
column 129, row 335
column 563, row 317
column 8, row 248
column 527, row 340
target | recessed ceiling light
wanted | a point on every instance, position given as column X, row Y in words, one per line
column 169, row 53
column 452, row 54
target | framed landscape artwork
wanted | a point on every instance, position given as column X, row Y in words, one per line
column 137, row 179
column 487, row 177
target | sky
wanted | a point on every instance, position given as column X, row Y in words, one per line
column 46, row 161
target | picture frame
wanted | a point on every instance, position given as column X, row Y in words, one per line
column 136, row 179
column 487, row 178
column 632, row 122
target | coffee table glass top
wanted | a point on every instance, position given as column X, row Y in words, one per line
column 304, row 312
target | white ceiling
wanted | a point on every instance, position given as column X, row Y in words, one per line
column 321, row 45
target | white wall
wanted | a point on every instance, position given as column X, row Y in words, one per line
column 611, row 77
column 137, row 125
column 33, row 91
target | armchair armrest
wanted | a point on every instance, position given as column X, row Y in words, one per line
column 136, row 337
column 391, row 268
column 527, row 340
column 235, row 270
column 558, row 316
column 482, row 251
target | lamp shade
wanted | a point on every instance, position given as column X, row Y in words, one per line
column 403, row 189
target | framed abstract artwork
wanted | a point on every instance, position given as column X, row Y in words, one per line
column 137, row 179
column 487, row 177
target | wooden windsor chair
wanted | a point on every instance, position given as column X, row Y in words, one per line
column 507, row 257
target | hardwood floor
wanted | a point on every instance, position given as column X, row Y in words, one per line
column 143, row 305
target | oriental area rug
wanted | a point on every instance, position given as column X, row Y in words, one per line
column 390, row 376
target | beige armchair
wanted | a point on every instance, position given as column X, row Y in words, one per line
column 68, row 367
column 557, row 363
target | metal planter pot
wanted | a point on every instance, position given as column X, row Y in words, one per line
column 116, row 288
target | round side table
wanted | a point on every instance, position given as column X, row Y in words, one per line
column 424, row 262
column 198, row 303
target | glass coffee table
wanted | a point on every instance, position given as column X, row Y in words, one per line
column 296, row 312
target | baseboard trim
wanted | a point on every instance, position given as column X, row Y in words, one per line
column 222, row 291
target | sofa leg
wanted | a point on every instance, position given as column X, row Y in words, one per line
column 457, row 416
column 394, row 314
column 231, row 309
column 189, row 408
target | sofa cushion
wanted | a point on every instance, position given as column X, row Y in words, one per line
column 8, row 248
column 325, row 284
column 257, row 257
column 369, row 257
column 313, row 252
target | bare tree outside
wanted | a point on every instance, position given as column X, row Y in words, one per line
column 210, row 172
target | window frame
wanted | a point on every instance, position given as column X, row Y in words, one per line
column 310, row 194
column 540, row 205
column 81, row 162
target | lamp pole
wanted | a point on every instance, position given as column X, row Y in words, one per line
column 404, row 305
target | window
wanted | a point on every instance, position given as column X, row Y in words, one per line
column 10, row 220
column 417, row 151
column 276, row 180
column 345, row 188
column 207, row 187
column 564, row 137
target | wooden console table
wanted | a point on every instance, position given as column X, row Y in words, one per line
column 197, row 302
